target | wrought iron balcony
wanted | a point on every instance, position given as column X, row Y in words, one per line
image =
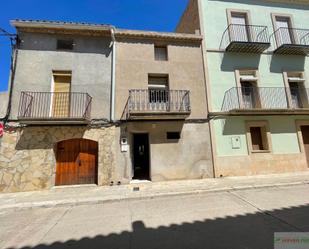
column 54, row 107
column 154, row 103
column 245, row 39
column 291, row 41
column 265, row 98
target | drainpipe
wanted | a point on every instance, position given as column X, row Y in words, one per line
column 113, row 86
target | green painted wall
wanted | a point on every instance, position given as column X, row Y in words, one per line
column 222, row 66
column 282, row 128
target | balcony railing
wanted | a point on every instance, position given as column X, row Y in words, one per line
column 54, row 106
column 143, row 102
column 245, row 38
column 291, row 41
column 265, row 98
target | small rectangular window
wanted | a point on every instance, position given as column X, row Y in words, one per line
column 160, row 53
column 65, row 44
column 173, row 135
column 256, row 138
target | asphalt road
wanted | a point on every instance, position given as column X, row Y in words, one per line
column 232, row 219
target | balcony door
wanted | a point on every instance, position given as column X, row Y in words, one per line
column 249, row 94
column 239, row 29
column 61, row 95
column 295, row 95
column 158, row 93
column 283, row 34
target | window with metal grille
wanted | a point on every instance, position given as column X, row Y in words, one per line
column 158, row 88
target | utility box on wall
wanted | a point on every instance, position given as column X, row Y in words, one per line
column 235, row 142
column 124, row 144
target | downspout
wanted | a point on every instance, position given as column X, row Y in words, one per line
column 113, row 86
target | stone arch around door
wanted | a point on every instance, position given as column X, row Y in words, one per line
column 76, row 162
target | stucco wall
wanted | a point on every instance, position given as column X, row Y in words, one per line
column 90, row 63
column 282, row 128
column 135, row 60
column 3, row 103
column 285, row 156
column 27, row 156
column 186, row 158
column 222, row 66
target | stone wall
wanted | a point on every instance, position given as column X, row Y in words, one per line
column 27, row 155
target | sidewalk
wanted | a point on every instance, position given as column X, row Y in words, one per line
column 79, row 195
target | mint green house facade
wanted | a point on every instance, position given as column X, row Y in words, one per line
column 256, row 66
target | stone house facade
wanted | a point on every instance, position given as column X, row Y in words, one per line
column 256, row 63
column 60, row 107
column 75, row 116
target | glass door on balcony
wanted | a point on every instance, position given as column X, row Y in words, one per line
column 248, row 92
column 158, row 92
column 60, row 98
column 295, row 95
column 283, row 34
column 239, row 28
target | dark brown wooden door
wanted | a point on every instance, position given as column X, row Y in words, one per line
column 305, row 134
column 77, row 161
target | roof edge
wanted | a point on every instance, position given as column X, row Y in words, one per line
column 17, row 23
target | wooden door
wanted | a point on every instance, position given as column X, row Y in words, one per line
column 76, row 162
column 61, row 96
column 305, row 134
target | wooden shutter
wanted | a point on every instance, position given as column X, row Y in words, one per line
column 61, row 97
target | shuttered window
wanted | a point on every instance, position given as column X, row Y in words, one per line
column 61, row 95
column 160, row 53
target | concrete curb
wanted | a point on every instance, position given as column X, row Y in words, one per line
column 138, row 196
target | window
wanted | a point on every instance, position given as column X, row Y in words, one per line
column 295, row 81
column 239, row 21
column 282, row 25
column 239, row 28
column 248, row 81
column 65, row 44
column 258, row 136
column 160, row 53
column 173, row 135
column 61, row 93
column 158, row 88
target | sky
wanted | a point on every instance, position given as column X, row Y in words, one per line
column 156, row 15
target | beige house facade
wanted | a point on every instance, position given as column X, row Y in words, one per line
column 160, row 102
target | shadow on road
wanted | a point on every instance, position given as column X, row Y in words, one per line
column 254, row 231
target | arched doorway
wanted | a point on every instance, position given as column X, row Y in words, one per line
column 77, row 162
